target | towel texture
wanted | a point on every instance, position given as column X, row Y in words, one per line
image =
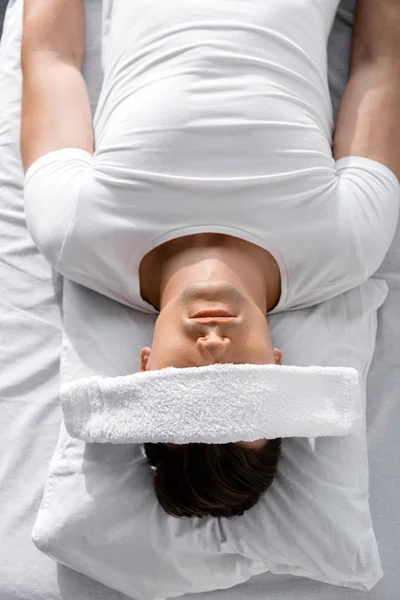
column 220, row 403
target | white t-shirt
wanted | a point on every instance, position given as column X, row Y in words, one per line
column 214, row 117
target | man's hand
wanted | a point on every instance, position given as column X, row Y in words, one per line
column 55, row 103
column 369, row 117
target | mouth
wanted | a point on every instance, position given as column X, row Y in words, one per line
column 213, row 313
column 210, row 320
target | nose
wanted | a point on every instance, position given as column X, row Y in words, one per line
column 213, row 346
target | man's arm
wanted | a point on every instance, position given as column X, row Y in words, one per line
column 369, row 117
column 55, row 103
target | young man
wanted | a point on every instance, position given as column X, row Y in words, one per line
column 209, row 181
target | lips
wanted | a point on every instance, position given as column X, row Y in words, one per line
column 212, row 312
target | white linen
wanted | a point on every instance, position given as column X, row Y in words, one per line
column 214, row 117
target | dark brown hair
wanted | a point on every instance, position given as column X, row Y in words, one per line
column 221, row 480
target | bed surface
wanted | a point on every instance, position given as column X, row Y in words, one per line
column 30, row 346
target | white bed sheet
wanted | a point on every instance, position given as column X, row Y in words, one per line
column 30, row 347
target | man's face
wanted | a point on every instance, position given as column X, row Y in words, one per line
column 181, row 340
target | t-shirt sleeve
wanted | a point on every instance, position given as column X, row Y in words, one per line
column 370, row 193
column 52, row 188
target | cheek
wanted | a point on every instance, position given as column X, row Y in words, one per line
column 261, row 343
column 169, row 345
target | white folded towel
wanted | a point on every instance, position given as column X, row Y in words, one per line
column 214, row 404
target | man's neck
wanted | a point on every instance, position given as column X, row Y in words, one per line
column 206, row 257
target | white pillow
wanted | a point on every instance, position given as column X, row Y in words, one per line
column 100, row 516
